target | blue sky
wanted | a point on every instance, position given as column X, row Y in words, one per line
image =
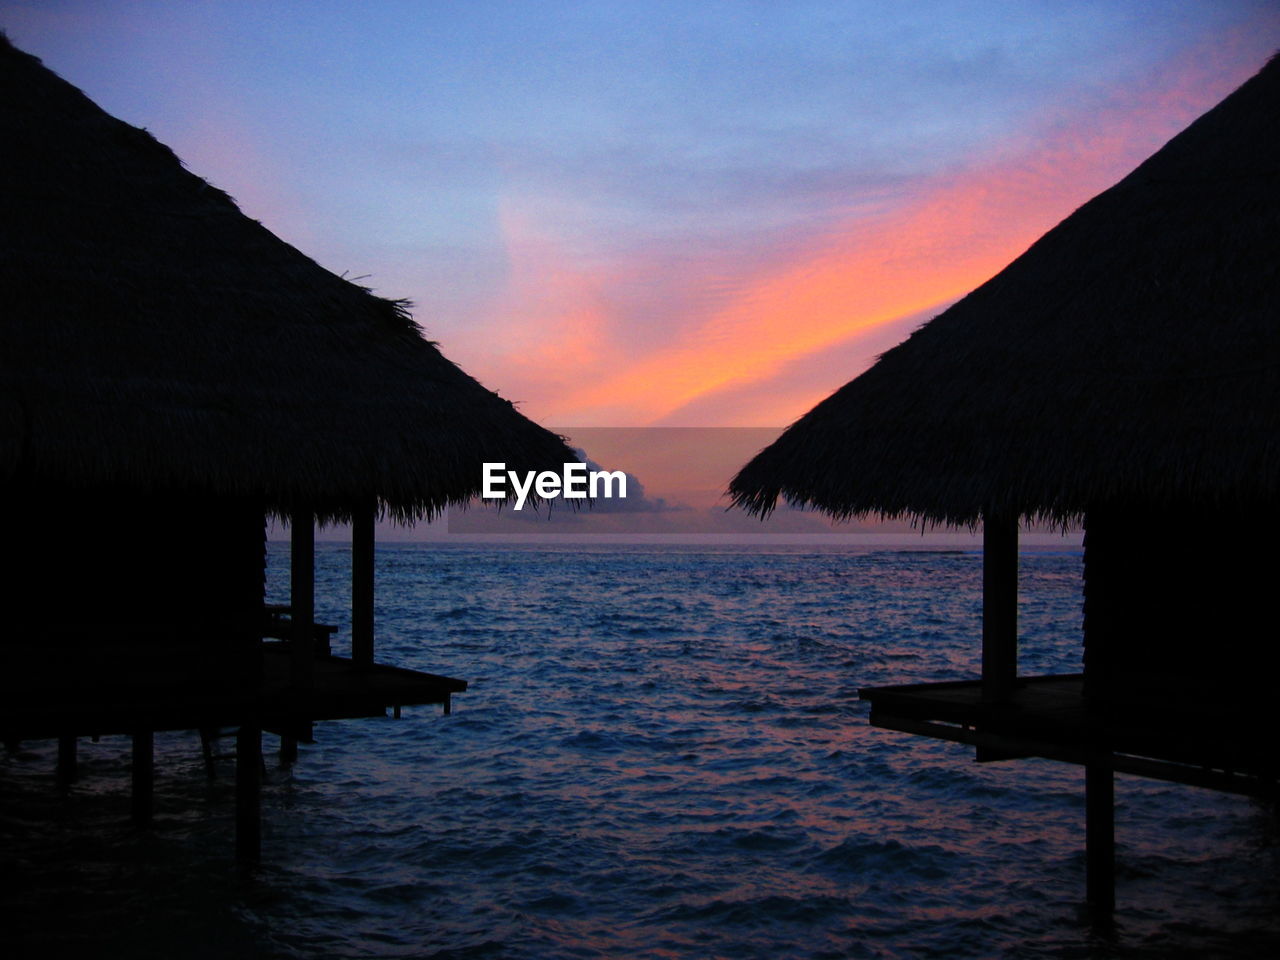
column 656, row 213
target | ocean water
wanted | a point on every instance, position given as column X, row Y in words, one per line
column 661, row 755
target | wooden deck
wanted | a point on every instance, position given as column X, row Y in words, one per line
column 1184, row 739
column 341, row 689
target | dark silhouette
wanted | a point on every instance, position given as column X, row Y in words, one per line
column 171, row 373
column 1124, row 372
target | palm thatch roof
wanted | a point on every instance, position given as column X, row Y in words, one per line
column 1132, row 354
column 153, row 337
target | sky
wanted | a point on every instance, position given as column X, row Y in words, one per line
column 654, row 214
column 650, row 213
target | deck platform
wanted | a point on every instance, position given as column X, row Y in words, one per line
column 340, row 689
column 1182, row 739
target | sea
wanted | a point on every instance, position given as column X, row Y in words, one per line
column 661, row 754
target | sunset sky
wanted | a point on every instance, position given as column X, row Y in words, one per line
column 645, row 213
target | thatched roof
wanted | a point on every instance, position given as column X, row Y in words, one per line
column 1132, row 354
column 154, row 337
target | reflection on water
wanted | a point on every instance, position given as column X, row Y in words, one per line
column 662, row 754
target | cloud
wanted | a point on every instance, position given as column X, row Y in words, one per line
column 636, row 501
column 640, row 214
column 668, row 336
column 602, row 514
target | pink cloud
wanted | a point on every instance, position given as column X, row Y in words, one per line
column 753, row 354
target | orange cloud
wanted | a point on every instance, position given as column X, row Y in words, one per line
column 953, row 233
column 546, row 328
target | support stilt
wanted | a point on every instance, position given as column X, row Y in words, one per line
column 999, row 607
column 1100, row 841
column 207, row 736
column 143, row 768
column 302, row 597
column 302, row 602
column 68, row 766
column 362, row 553
column 249, row 794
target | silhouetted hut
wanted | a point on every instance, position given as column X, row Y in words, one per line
column 1124, row 372
column 170, row 374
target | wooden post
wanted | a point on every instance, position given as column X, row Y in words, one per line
column 302, row 597
column 67, row 764
column 1100, row 840
column 142, row 762
column 302, row 613
column 362, row 583
column 249, row 793
column 207, row 736
column 999, row 607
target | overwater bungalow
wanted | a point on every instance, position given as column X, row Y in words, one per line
column 1123, row 374
column 171, row 376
